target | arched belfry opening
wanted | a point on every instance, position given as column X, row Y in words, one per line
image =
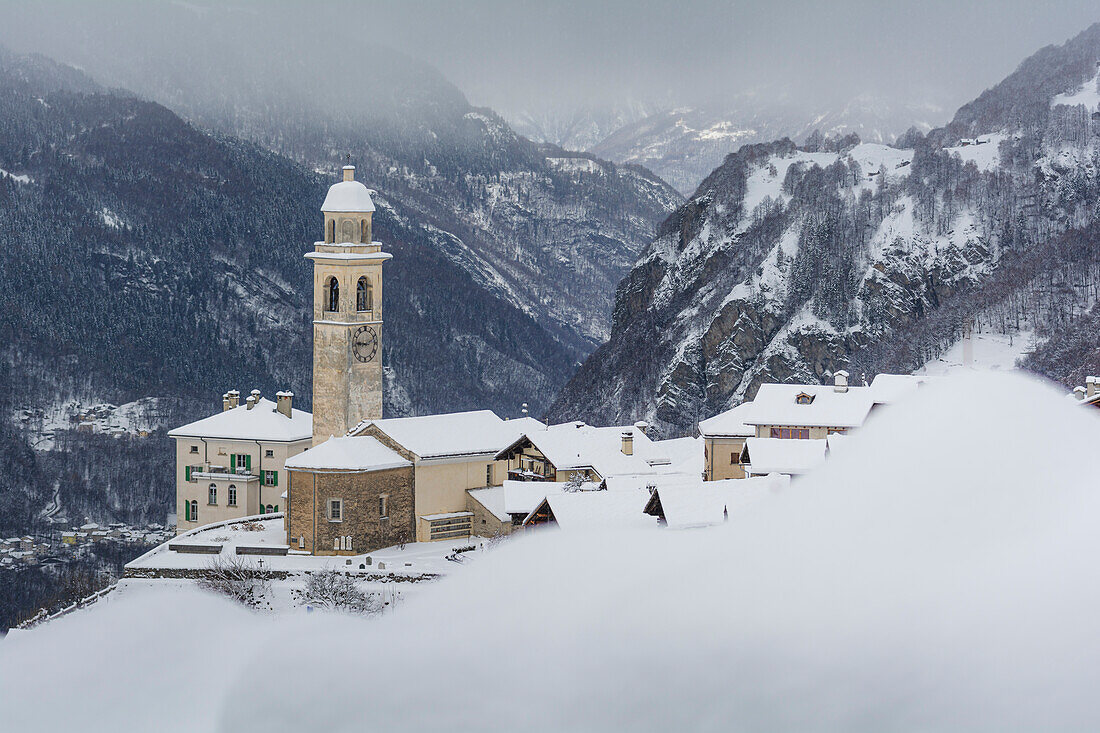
column 364, row 295
column 332, row 295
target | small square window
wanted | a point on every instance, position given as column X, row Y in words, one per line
column 194, row 449
column 269, row 454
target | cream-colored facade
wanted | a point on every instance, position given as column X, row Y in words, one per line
column 250, row 473
column 347, row 313
column 723, row 457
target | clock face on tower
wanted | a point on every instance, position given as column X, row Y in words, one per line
column 364, row 343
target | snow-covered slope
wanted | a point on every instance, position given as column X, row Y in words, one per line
column 791, row 262
column 955, row 594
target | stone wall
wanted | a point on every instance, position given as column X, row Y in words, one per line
column 308, row 505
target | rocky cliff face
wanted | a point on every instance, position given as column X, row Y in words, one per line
column 790, row 262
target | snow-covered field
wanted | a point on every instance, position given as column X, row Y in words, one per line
column 1087, row 94
column 987, row 351
column 924, row 579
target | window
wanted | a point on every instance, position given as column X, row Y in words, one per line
column 798, row 433
column 803, row 399
column 194, row 449
column 332, row 293
column 364, row 295
column 735, row 458
column 489, row 475
column 363, row 231
column 335, row 510
column 330, row 234
column 192, row 510
column 232, row 495
column 189, row 473
column 212, row 494
column 270, row 509
column 271, row 478
column 240, row 462
column 382, row 508
column 269, row 454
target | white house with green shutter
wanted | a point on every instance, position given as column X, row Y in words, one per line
column 231, row 464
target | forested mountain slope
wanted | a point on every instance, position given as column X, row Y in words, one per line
column 789, row 263
column 146, row 257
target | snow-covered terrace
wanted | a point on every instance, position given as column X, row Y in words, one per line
column 265, row 534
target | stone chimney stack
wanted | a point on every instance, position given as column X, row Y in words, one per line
column 283, row 401
column 349, row 173
column 250, row 402
column 234, row 398
column 256, row 395
column 1092, row 386
column 840, row 381
column 226, row 404
column 1079, row 392
column 628, row 443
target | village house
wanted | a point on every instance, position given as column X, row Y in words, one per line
column 762, row 431
column 576, row 451
column 231, row 464
column 1089, row 395
column 401, row 479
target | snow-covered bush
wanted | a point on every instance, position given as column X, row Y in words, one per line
column 238, row 578
column 337, row 591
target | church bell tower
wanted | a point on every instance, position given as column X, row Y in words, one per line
column 347, row 313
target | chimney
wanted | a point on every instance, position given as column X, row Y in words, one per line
column 283, row 402
column 255, row 394
column 1092, row 386
column 840, row 381
column 1079, row 392
column 250, row 402
column 349, row 173
column 234, row 398
column 641, row 426
column 628, row 443
column 226, row 404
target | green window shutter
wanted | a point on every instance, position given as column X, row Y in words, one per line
column 275, row 478
column 187, row 511
column 276, row 508
column 248, row 462
column 186, row 473
column 232, row 462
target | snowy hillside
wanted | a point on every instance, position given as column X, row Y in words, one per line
column 791, row 262
column 921, row 599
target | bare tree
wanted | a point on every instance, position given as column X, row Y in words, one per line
column 238, row 578
column 338, row 591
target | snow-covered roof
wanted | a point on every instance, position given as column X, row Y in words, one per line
column 601, row 510
column 263, row 422
column 784, row 455
column 492, row 498
column 520, row 497
column 889, row 388
column 348, row 453
column 777, row 404
column 701, row 503
column 348, row 196
column 454, row 434
column 730, row 423
column 576, row 445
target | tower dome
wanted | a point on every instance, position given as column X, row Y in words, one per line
column 348, row 196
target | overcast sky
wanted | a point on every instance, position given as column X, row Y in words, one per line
column 515, row 54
